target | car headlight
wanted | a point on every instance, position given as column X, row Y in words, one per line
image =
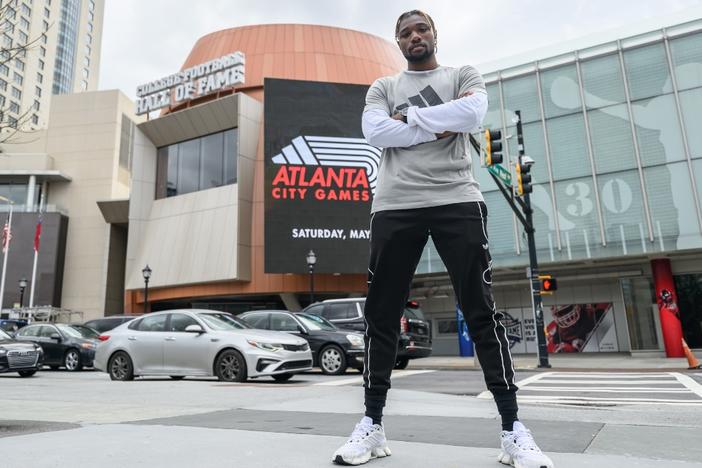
column 355, row 340
column 87, row 346
column 38, row 349
column 265, row 345
column 2, row 351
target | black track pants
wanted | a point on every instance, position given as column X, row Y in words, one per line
column 459, row 232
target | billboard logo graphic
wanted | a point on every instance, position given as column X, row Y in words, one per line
column 514, row 328
column 355, row 154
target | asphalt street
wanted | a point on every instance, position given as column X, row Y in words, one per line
column 433, row 418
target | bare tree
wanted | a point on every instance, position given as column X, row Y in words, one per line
column 13, row 126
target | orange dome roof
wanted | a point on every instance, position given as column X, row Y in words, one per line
column 300, row 51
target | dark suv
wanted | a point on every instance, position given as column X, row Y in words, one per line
column 415, row 335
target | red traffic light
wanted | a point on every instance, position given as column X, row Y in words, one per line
column 548, row 284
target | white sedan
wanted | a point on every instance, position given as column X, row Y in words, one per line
column 191, row 342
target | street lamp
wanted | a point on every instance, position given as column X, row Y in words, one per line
column 23, row 286
column 146, row 272
column 311, row 260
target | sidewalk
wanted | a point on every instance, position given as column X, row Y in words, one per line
column 563, row 362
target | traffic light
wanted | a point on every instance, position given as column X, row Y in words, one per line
column 493, row 147
column 548, row 284
column 523, row 178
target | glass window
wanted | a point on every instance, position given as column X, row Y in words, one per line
column 535, row 148
column 675, row 225
column 45, row 331
column 211, row 161
column 603, row 82
column 544, row 223
column 7, row 40
column 42, row 51
column 520, row 94
column 3, row 84
column 647, row 71
column 25, row 10
column 19, row 64
column 658, row 131
column 35, row 119
column 626, row 229
column 561, row 91
column 29, row 331
column 12, row 122
column 4, row 69
column 340, row 311
column 639, row 303
column 84, row 85
column 10, row 12
column 47, row 12
column 17, row 78
column 41, row 64
column 24, row 23
column 23, row 37
column 179, row 322
column 37, row 105
column 188, row 166
column 259, row 321
column 14, row 107
column 500, row 227
column 197, row 164
column 283, row 322
column 686, row 53
column 37, row 91
column 91, row 5
column 16, row 93
column 569, row 156
column 447, row 326
column 315, row 310
column 46, row 25
column 691, row 104
column 612, row 143
column 578, row 218
column 153, row 323
column 689, row 292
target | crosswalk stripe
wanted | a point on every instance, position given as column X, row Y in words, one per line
column 618, row 382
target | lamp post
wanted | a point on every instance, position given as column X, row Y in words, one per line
column 311, row 260
column 146, row 272
column 23, row 286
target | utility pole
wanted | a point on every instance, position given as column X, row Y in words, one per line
column 533, row 272
column 519, row 200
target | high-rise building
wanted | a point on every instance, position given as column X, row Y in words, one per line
column 62, row 55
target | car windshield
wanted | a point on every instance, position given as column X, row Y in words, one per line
column 223, row 322
column 4, row 336
column 414, row 313
column 314, row 322
column 78, row 331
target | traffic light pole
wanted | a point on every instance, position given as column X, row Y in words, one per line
column 533, row 274
column 525, row 216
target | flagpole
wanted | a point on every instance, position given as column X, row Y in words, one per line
column 7, row 254
column 37, row 236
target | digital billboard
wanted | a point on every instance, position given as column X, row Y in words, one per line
column 320, row 176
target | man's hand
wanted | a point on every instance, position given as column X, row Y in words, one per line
column 398, row 116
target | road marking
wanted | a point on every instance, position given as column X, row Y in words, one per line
column 635, row 388
column 398, row 374
column 689, row 382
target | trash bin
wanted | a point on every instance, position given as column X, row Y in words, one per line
column 465, row 344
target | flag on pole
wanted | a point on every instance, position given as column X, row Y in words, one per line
column 6, row 236
column 37, row 234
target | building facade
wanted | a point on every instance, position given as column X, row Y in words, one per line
column 617, row 182
column 62, row 55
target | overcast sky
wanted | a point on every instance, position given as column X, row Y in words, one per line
column 144, row 40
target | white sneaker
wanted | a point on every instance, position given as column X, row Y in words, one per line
column 520, row 450
column 367, row 441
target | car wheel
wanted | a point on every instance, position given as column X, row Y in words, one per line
column 282, row 377
column 332, row 360
column 401, row 363
column 177, row 377
column 120, row 367
column 26, row 373
column 71, row 360
column 230, row 366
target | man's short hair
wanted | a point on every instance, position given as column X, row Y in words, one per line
column 407, row 14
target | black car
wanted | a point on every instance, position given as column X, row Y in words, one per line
column 347, row 314
column 69, row 345
column 23, row 358
column 333, row 350
column 104, row 324
column 12, row 325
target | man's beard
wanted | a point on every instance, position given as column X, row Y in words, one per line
column 428, row 52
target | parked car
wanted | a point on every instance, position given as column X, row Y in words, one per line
column 23, row 358
column 347, row 314
column 12, row 325
column 191, row 342
column 333, row 350
column 104, row 324
column 69, row 345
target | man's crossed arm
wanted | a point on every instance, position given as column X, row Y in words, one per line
column 426, row 123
